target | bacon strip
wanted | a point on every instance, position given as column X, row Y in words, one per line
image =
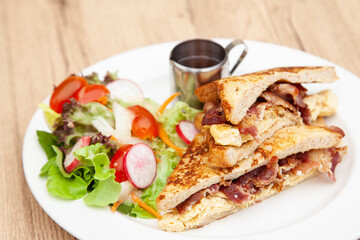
column 276, row 100
column 207, row 106
column 293, row 93
column 336, row 159
column 247, row 125
column 338, row 130
column 258, row 108
column 289, row 92
column 249, row 129
column 236, row 193
column 193, row 199
column 241, row 189
column 196, row 197
column 284, row 94
column 267, row 174
column 305, row 114
column 306, row 165
column 214, row 115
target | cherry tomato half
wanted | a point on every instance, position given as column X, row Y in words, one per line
column 144, row 125
column 91, row 93
column 66, row 90
column 117, row 163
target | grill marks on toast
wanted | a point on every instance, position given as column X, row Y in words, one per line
column 193, row 172
column 198, row 169
column 217, row 206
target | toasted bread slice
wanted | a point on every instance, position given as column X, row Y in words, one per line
column 227, row 145
column 213, row 207
column 193, row 172
column 322, row 104
column 275, row 118
column 228, row 135
column 237, row 94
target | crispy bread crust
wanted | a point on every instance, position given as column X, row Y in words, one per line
column 227, row 156
column 218, row 206
column 237, row 94
column 320, row 104
column 193, row 172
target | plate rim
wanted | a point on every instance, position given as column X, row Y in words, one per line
column 111, row 58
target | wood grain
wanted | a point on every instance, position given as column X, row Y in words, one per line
column 43, row 41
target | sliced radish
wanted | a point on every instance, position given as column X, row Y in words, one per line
column 186, row 131
column 140, row 165
column 70, row 162
column 126, row 90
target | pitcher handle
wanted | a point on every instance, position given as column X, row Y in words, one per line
column 233, row 44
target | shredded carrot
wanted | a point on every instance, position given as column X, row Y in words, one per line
column 115, row 139
column 167, row 101
column 164, row 137
column 102, row 100
column 115, row 206
column 158, row 160
column 136, row 199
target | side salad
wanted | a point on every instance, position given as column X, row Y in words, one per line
column 109, row 145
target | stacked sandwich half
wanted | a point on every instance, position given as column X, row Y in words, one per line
column 260, row 134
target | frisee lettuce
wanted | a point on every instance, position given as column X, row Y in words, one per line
column 77, row 120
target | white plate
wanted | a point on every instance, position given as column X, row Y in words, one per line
column 316, row 209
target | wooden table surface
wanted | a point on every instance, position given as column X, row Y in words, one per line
column 43, row 41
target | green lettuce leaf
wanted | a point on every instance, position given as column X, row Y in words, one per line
column 106, row 192
column 45, row 169
column 52, row 118
column 126, row 208
column 86, row 154
column 47, row 140
column 96, row 176
column 86, row 173
column 77, row 133
column 102, row 169
column 85, row 114
column 63, row 184
column 73, row 187
column 59, row 162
